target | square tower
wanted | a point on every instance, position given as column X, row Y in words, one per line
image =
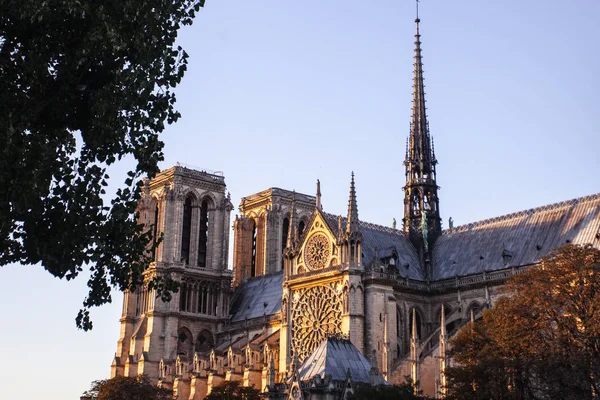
column 188, row 212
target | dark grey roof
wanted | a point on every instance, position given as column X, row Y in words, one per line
column 383, row 239
column 334, row 357
column 524, row 236
column 251, row 297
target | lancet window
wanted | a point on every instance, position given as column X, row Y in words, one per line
column 284, row 233
column 203, row 236
column 186, row 230
column 253, row 263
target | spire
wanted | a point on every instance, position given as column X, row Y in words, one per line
column 352, row 221
column 421, row 205
column 318, row 202
column 291, row 239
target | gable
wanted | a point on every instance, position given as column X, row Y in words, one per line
column 317, row 248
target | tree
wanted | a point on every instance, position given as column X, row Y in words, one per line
column 405, row 391
column 126, row 388
column 541, row 341
column 232, row 390
column 84, row 85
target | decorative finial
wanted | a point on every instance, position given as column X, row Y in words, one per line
column 318, row 202
column 417, row 20
column 352, row 220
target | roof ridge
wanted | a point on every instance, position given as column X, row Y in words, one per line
column 369, row 225
column 505, row 217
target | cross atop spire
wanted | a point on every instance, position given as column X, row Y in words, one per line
column 352, row 221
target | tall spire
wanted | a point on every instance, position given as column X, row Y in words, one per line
column 352, row 221
column 421, row 205
column 318, row 201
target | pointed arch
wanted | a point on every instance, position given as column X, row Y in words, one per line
column 419, row 320
column 438, row 317
column 206, row 206
column 186, row 226
column 204, row 341
column 185, row 345
column 474, row 307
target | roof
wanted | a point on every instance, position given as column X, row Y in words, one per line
column 334, row 357
column 381, row 240
column 523, row 237
column 257, row 297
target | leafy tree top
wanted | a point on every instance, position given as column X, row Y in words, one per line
column 83, row 86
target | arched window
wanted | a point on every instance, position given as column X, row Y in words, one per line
column 447, row 313
column 203, row 236
column 204, row 342
column 410, row 324
column 398, row 323
column 301, row 227
column 253, row 263
column 155, row 233
column 186, row 230
column 183, row 295
column 184, row 343
column 284, row 233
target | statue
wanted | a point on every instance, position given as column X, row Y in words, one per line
column 424, row 229
column 450, row 223
column 393, row 223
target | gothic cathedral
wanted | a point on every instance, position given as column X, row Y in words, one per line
column 318, row 304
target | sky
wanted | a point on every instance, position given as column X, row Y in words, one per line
column 280, row 93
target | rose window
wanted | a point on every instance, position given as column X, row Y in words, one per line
column 316, row 254
column 316, row 314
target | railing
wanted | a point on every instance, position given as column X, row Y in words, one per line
column 457, row 282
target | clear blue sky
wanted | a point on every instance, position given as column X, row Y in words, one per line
column 280, row 93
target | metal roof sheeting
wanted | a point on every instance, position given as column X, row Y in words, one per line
column 334, row 357
column 254, row 294
column 523, row 237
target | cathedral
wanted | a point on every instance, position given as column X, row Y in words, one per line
column 318, row 304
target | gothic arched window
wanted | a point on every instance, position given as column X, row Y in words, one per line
column 253, row 263
column 284, row 233
column 186, row 230
column 410, row 324
column 203, row 236
column 301, row 227
column 155, row 232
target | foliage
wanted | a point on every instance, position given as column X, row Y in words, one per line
column 230, row 390
column 404, row 391
column 541, row 341
column 83, row 85
column 127, row 388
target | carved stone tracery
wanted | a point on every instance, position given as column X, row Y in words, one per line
column 316, row 315
column 317, row 252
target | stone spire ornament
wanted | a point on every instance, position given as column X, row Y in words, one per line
column 318, row 197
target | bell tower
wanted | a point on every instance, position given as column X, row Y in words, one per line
column 421, row 220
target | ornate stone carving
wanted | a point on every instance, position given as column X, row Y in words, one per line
column 316, row 314
column 317, row 252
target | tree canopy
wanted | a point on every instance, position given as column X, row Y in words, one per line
column 404, row 391
column 233, row 390
column 541, row 341
column 84, row 85
column 127, row 388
